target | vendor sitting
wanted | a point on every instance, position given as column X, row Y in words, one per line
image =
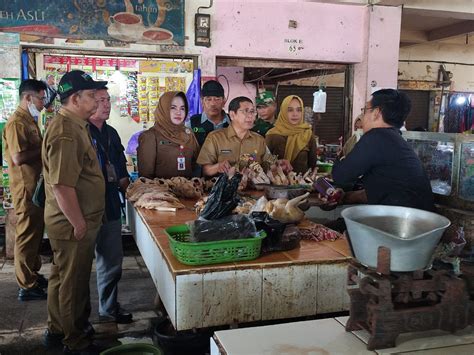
column 168, row 149
column 292, row 138
column 223, row 148
column 392, row 173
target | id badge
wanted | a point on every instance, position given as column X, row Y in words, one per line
column 181, row 163
column 111, row 174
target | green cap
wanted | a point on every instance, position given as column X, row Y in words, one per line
column 265, row 98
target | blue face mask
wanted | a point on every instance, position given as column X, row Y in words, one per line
column 33, row 111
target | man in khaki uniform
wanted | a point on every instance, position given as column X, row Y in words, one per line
column 75, row 202
column 22, row 139
column 223, row 148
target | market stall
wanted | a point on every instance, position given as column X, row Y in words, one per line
column 306, row 281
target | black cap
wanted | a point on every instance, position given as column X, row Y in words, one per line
column 212, row 88
column 77, row 80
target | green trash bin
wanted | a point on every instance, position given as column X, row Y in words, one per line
column 133, row 349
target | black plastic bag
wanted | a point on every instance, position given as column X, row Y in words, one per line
column 236, row 226
column 280, row 236
column 223, row 197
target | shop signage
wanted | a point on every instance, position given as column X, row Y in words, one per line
column 91, row 61
column 294, row 45
column 134, row 21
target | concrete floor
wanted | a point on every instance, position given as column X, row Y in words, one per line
column 23, row 323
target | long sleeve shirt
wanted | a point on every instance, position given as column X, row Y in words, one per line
column 392, row 173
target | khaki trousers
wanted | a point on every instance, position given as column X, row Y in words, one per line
column 68, row 289
column 28, row 235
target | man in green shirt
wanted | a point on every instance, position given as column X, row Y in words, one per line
column 266, row 110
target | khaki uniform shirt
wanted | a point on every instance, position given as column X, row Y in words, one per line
column 22, row 134
column 224, row 144
column 70, row 159
column 158, row 157
column 305, row 159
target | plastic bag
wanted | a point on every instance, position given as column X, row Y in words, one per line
column 227, row 228
column 280, row 236
column 223, row 197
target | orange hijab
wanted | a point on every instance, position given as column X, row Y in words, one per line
column 298, row 135
column 178, row 134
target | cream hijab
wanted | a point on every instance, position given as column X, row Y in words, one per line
column 298, row 135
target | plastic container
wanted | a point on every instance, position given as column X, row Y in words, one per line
column 205, row 253
column 180, row 343
column 324, row 167
column 133, row 349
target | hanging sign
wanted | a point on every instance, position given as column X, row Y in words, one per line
column 91, row 61
column 135, row 21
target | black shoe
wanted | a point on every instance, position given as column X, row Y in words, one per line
column 120, row 317
column 92, row 349
column 42, row 281
column 51, row 340
column 31, row 294
column 89, row 329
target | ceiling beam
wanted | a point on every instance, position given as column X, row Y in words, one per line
column 453, row 30
column 388, row 2
column 413, row 36
column 280, row 64
column 460, row 15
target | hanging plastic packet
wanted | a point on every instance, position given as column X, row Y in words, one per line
column 319, row 101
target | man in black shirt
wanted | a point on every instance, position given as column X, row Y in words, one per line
column 108, row 251
column 391, row 171
column 213, row 116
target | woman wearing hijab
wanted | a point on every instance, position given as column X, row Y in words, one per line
column 168, row 149
column 291, row 138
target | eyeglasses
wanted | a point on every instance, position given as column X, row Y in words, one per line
column 42, row 98
column 365, row 109
column 248, row 112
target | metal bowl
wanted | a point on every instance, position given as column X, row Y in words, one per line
column 411, row 234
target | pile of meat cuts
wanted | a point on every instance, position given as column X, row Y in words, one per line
column 317, row 232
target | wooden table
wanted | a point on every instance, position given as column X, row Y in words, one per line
column 302, row 282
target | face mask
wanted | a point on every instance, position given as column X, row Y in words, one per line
column 33, row 110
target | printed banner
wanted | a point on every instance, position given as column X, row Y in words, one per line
column 134, row 21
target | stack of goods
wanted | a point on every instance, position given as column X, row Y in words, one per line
column 132, row 97
column 152, row 85
column 270, row 172
column 152, row 194
column 143, row 99
column 217, row 235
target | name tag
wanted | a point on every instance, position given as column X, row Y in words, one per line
column 226, row 151
column 181, row 163
column 165, row 142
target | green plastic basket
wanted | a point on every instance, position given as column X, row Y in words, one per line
column 206, row 253
column 135, row 349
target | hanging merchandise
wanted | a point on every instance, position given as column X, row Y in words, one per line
column 152, row 88
column 319, row 101
column 132, row 96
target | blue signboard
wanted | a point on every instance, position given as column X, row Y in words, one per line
column 134, row 21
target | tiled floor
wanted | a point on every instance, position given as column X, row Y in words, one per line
column 23, row 323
